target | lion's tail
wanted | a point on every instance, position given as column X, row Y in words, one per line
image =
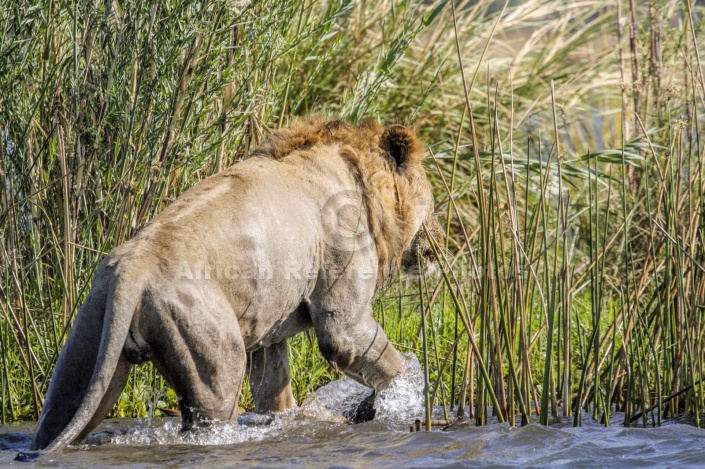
column 102, row 324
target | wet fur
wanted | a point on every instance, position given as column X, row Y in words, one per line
column 263, row 213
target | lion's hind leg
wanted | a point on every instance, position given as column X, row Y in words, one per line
column 198, row 348
column 270, row 380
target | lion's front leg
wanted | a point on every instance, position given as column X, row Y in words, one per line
column 270, row 380
column 357, row 346
column 341, row 313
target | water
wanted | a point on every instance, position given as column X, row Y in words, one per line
column 317, row 435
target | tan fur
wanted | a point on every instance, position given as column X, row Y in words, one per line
column 264, row 214
column 394, row 195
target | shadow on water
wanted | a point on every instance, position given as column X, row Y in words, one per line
column 316, row 435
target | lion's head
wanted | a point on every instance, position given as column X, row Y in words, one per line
column 387, row 162
column 420, row 256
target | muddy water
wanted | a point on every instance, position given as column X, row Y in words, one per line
column 316, row 435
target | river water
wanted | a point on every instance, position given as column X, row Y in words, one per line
column 317, row 435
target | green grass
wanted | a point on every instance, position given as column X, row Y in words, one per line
column 567, row 162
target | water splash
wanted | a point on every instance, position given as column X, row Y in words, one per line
column 400, row 403
column 218, row 433
column 403, row 401
column 336, row 402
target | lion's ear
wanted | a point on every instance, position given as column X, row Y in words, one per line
column 401, row 145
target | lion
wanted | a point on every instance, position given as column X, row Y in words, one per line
column 300, row 235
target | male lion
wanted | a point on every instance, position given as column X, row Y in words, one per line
column 302, row 234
